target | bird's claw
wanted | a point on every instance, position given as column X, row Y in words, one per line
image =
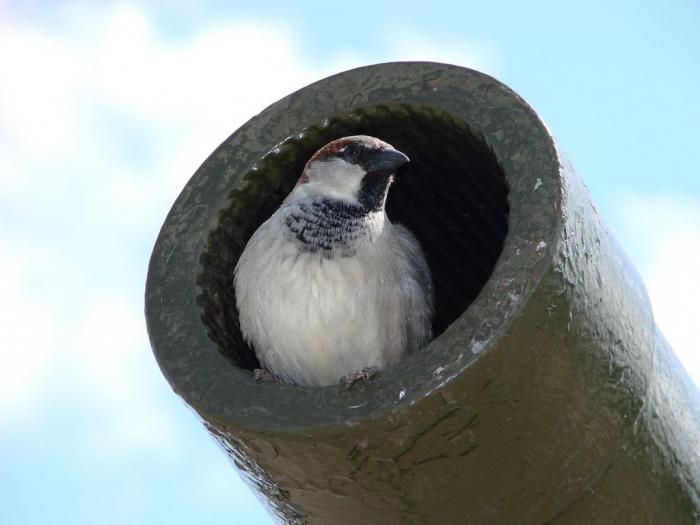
column 260, row 374
column 364, row 374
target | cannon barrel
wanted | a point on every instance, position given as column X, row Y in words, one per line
column 548, row 394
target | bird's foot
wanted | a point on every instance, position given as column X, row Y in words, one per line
column 260, row 374
column 364, row 374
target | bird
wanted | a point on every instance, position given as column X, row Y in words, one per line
column 328, row 289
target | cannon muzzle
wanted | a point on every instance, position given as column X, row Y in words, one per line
column 548, row 394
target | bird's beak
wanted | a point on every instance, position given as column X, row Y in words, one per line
column 386, row 161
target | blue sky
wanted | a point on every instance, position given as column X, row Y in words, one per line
column 106, row 111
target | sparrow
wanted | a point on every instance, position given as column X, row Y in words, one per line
column 327, row 288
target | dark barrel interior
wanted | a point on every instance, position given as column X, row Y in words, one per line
column 452, row 195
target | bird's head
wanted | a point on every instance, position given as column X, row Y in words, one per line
column 357, row 170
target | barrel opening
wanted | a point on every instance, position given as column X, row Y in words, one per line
column 452, row 195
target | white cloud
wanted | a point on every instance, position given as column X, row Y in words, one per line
column 664, row 234
column 109, row 349
column 66, row 97
column 674, row 288
column 27, row 352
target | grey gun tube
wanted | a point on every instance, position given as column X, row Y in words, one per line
column 547, row 396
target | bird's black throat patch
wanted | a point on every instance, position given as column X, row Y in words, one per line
column 328, row 226
column 373, row 191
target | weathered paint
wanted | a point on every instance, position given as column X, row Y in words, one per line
column 551, row 399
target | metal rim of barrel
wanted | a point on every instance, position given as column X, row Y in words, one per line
column 530, row 163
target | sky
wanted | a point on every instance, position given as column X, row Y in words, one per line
column 106, row 110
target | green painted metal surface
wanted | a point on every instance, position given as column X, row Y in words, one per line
column 549, row 396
